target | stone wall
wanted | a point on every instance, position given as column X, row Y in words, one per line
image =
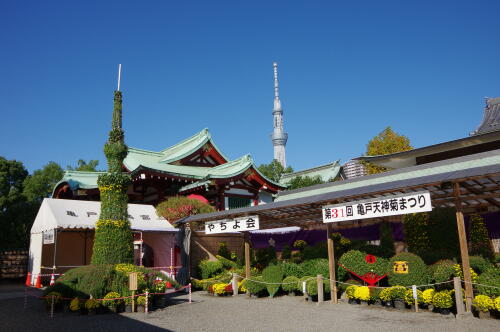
column 13, row 263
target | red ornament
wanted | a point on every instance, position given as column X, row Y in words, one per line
column 370, row 259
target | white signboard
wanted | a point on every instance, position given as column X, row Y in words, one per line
column 249, row 223
column 378, row 207
column 48, row 237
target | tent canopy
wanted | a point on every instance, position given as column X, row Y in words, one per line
column 75, row 214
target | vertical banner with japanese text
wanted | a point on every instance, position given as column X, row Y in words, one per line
column 241, row 224
column 378, row 207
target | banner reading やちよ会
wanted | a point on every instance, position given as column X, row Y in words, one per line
column 378, row 207
column 249, row 223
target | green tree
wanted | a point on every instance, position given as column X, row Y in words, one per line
column 304, row 181
column 387, row 240
column 113, row 236
column 83, row 166
column 274, row 170
column 12, row 175
column 479, row 238
column 387, row 142
column 41, row 183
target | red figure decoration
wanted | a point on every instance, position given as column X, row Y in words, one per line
column 370, row 259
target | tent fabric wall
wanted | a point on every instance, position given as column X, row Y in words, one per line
column 161, row 244
column 35, row 255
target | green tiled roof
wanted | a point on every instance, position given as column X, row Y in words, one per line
column 82, row 180
column 487, row 159
column 326, row 172
column 188, row 146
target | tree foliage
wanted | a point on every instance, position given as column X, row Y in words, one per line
column 83, row 166
column 304, row 181
column 178, row 207
column 274, row 170
column 479, row 238
column 12, row 175
column 387, row 142
column 41, row 183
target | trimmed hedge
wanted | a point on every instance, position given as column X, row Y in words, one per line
column 442, row 271
column 418, row 273
column 254, row 285
column 290, row 284
column 292, row 269
column 316, row 266
column 490, row 278
column 273, row 275
column 479, row 264
column 210, row 269
column 354, row 260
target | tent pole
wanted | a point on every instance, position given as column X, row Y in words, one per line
column 247, row 257
column 55, row 251
column 331, row 263
column 464, row 252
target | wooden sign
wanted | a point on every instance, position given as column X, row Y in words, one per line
column 400, row 267
column 132, row 281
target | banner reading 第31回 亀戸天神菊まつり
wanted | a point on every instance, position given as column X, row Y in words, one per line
column 378, row 207
column 242, row 224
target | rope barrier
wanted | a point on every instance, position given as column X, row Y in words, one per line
column 482, row 285
column 272, row 283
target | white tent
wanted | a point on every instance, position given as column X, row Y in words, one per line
column 62, row 234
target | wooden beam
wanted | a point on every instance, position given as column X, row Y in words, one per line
column 331, row 263
column 464, row 253
column 485, row 197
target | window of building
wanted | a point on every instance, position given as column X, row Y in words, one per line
column 238, row 202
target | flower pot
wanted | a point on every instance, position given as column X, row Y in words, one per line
column 128, row 308
column 352, row 301
column 364, row 303
column 484, row 314
column 444, row 311
column 113, row 309
column 92, row 312
column 140, row 308
column 386, row 304
column 399, row 304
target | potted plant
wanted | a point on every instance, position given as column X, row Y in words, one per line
column 410, row 300
column 141, row 303
column 289, row 285
column 398, row 295
column 483, row 304
column 159, row 299
column 350, row 293
column 112, row 301
column 76, row 305
column 92, row 305
column 427, row 296
column 386, row 297
column 53, row 298
column 496, row 304
column 128, row 304
column 443, row 302
column 362, row 293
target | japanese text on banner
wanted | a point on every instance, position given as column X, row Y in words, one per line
column 249, row 223
column 378, row 207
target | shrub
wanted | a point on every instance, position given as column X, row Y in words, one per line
column 265, row 256
column 210, row 268
column 342, row 286
column 442, row 300
column 442, row 271
column 75, row 304
column 92, row 304
column 300, row 244
column 415, row 228
column 385, row 294
column 489, row 278
column 316, row 266
column 458, row 272
column 254, row 285
column 427, row 295
column 351, row 291
column 398, row 292
column 497, row 303
column 317, row 251
column 286, row 252
column 223, row 250
column 483, row 303
column 159, row 287
column 273, row 276
column 227, row 263
column 362, row 293
column 479, row 238
column 443, row 232
column 409, row 297
column 219, row 288
column 292, row 269
column 386, row 240
column 479, row 264
column 312, row 286
column 341, row 244
column 141, row 300
column 374, row 293
column 57, row 298
column 178, row 207
column 111, row 300
column 290, row 284
column 417, row 271
column 355, row 261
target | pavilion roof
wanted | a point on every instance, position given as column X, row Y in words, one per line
column 478, row 175
column 491, row 117
column 325, row 172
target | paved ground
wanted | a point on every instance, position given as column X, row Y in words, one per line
column 208, row 313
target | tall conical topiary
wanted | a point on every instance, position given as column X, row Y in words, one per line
column 113, row 236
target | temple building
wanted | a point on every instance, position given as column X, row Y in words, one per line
column 193, row 166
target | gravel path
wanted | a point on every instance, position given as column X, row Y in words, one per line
column 208, row 313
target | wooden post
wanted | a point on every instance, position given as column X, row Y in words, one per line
column 457, row 284
column 319, row 280
column 331, row 263
column 133, row 301
column 247, row 258
column 464, row 253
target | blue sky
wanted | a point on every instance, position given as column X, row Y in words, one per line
column 347, row 70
